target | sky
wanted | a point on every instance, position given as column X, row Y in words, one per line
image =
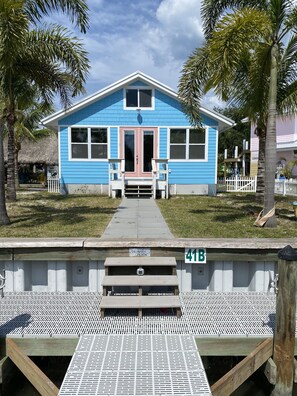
column 152, row 36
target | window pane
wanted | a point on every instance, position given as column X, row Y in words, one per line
column 129, row 151
column 79, row 135
column 131, row 98
column 197, row 135
column 79, row 150
column 197, row 152
column 99, row 151
column 145, row 97
column 148, row 150
column 177, row 136
column 98, row 135
column 178, row 151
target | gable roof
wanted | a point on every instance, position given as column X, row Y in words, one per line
column 52, row 121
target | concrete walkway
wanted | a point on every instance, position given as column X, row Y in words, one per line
column 137, row 218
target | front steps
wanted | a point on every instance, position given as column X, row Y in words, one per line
column 138, row 191
column 140, row 283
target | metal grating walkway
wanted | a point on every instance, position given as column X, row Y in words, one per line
column 135, row 365
column 72, row 313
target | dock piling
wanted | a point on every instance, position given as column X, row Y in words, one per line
column 284, row 337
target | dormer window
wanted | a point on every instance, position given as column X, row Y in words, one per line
column 141, row 98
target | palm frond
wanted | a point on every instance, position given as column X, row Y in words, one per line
column 191, row 88
column 76, row 9
column 56, row 44
column 213, row 10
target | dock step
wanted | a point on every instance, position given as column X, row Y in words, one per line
column 151, row 273
column 140, row 261
column 140, row 302
column 135, row 280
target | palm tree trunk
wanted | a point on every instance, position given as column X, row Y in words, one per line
column 11, row 190
column 4, row 219
column 16, row 168
column 270, row 147
column 261, row 133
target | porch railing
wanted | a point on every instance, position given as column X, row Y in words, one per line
column 160, row 174
column 116, row 176
column 53, row 185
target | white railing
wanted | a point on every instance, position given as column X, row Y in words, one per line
column 116, row 176
column 244, row 184
column 53, row 184
column 286, row 187
column 160, row 174
column 249, row 184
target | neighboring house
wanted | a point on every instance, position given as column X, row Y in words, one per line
column 37, row 159
column 133, row 137
column 286, row 145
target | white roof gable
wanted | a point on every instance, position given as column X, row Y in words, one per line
column 52, row 120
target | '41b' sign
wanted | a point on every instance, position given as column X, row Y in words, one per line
column 195, row 256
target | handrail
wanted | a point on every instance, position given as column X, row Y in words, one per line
column 116, row 174
column 160, row 173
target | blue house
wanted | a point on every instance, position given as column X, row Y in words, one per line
column 132, row 138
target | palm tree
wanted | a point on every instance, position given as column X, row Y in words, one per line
column 247, row 42
column 49, row 59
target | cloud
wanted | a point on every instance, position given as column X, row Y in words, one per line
column 180, row 26
column 153, row 36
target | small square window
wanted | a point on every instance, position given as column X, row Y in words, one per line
column 197, row 136
column 178, row 136
column 79, row 135
column 98, row 135
column 145, row 98
column 132, row 98
column 79, row 151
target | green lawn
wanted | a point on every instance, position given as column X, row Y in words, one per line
column 44, row 215
column 227, row 215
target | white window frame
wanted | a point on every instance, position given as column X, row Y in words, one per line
column 137, row 88
column 89, row 143
column 187, row 144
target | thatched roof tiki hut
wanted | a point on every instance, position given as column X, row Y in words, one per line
column 37, row 160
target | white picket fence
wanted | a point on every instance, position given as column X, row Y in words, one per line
column 53, row 184
column 249, row 184
column 244, row 184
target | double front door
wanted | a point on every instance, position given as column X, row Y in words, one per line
column 138, row 146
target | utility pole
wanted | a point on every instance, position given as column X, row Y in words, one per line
column 284, row 337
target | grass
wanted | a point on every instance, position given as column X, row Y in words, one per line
column 227, row 215
column 44, row 215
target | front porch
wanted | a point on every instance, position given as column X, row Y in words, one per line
column 121, row 185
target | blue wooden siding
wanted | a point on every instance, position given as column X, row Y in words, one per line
column 193, row 172
column 109, row 112
column 113, row 142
